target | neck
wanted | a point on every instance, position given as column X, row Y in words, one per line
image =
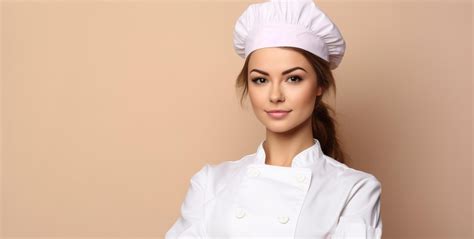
column 281, row 148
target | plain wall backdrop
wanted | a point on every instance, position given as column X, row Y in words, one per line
column 109, row 107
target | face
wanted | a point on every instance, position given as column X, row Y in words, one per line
column 282, row 79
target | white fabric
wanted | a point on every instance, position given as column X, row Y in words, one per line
column 296, row 23
column 317, row 197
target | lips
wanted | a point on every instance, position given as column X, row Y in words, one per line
column 278, row 114
column 278, row 111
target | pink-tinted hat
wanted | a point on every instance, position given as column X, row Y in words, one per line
column 296, row 23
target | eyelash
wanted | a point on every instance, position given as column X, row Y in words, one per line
column 254, row 80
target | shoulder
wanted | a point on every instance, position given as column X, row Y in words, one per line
column 220, row 175
column 223, row 168
column 349, row 176
column 212, row 176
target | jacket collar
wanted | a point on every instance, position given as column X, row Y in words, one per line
column 303, row 159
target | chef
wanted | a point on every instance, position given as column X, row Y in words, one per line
column 296, row 184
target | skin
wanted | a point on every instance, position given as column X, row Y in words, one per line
column 295, row 91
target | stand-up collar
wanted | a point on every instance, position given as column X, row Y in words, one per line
column 303, row 159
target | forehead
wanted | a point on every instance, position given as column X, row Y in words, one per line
column 275, row 58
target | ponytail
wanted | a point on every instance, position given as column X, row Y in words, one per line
column 324, row 130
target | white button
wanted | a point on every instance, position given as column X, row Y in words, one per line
column 300, row 178
column 239, row 213
column 283, row 219
column 253, row 172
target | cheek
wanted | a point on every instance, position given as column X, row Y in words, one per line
column 304, row 98
column 305, row 93
column 256, row 97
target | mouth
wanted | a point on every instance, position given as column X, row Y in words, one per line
column 278, row 114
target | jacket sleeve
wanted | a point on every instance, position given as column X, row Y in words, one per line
column 360, row 217
column 190, row 222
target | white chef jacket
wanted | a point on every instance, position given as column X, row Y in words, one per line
column 317, row 197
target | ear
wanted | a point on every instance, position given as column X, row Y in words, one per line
column 320, row 91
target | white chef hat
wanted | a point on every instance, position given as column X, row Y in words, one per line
column 296, row 23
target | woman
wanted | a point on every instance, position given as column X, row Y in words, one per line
column 296, row 184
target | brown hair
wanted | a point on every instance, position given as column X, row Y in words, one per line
column 324, row 124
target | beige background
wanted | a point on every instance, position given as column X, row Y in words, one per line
column 109, row 107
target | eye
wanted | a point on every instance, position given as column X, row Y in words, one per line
column 255, row 80
column 296, row 78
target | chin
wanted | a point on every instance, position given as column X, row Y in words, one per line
column 279, row 127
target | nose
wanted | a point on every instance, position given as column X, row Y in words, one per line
column 276, row 95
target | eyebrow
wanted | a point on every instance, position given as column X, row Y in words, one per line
column 283, row 73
